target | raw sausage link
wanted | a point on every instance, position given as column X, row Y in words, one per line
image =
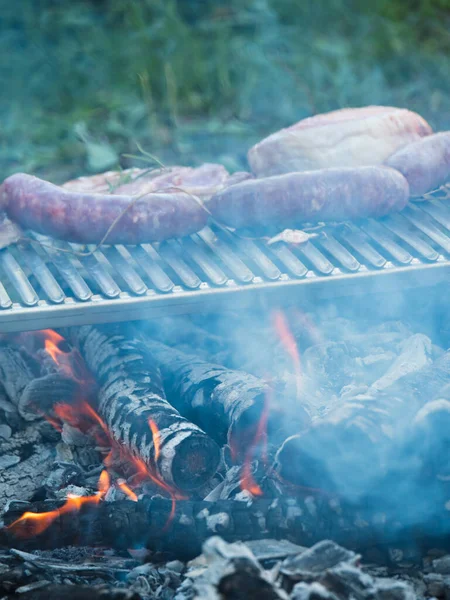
column 85, row 218
column 425, row 163
column 324, row 195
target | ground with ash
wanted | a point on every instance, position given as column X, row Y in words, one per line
column 264, row 569
column 127, row 450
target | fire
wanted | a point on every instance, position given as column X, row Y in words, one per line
column 281, row 325
column 51, row 341
column 83, row 416
column 31, row 524
column 121, row 483
column 156, row 438
column 247, row 480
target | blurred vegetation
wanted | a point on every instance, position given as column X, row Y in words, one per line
column 195, row 80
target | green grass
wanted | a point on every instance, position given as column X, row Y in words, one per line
column 194, row 81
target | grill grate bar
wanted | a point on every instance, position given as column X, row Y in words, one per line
column 5, row 300
column 212, row 271
column 43, row 274
column 67, row 269
column 400, row 226
column 41, row 287
column 100, row 275
column 316, row 258
column 359, row 242
column 148, row 259
column 385, row 240
column 258, row 257
column 171, row 252
column 125, row 270
column 226, row 255
column 438, row 211
column 18, row 278
column 425, row 223
column 289, row 260
column 337, row 250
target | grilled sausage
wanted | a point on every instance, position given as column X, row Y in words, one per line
column 85, row 218
column 323, row 195
column 425, row 163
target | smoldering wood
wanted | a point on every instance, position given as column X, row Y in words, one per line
column 130, row 393
column 369, row 429
column 32, row 384
column 227, row 404
column 25, row 461
column 150, row 523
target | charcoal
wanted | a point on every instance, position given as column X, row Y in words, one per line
column 233, row 573
column 311, row 591
column 26, row 461
column 416, row 354
column 267, row 550
column 312, row 562
column 63, row 474
column 367, row 430
column 350, row 582
column 442, row 565
column 435, row 585
column 80, row 592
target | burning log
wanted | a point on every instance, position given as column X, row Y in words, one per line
column 132, row 403
column 228, row 404
column 366, row 430
column 154, row 523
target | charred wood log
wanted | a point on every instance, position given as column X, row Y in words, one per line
column 155, row 524
column 25, row 461
column 130, row 395
column 227, row 404
column 34, row 384
column 351, row 449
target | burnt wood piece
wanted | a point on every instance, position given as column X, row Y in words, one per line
column 25, row 461
column 228, row 404
column 352, row 448
column 150, row 523
column 79, row 592
column 17, row 371
column 130, row 394
column 33, row 384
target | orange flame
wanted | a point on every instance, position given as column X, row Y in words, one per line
column 52, row 339
column 156, row 438
column 281, row 325
column 121, row 483
column 248, row 482
column 31, row 524
column 69, row 361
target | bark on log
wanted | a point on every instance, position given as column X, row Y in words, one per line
column 227, row 404
column 148, row 523
column 130, row 394
column 352, row 448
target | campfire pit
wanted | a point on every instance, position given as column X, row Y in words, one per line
column 278, row 426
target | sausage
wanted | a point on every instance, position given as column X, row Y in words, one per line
column 323, row 195
column 85, row 217
column 425, row 163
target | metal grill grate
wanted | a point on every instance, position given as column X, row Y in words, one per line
column 41, row 287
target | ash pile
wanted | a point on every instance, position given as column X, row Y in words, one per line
column 126, row 450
